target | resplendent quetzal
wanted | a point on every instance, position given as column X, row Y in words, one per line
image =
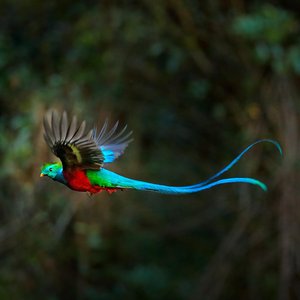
column 83, row 155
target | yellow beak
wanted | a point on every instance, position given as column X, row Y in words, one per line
column 42, row 175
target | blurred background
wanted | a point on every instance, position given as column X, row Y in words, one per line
column 197, row 81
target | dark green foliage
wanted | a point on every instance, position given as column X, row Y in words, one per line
column 196, row 81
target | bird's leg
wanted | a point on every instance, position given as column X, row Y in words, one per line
column 90, row 195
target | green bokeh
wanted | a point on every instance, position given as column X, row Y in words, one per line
column 196, row 81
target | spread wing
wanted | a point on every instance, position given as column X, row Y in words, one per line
column 112, row 143
column 69, row 141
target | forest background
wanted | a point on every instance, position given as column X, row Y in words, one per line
column 197, row 81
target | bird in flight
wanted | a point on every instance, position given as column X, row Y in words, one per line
column 84, row 153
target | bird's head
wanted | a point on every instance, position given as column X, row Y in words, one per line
column 52, row 170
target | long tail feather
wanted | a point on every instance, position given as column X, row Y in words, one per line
column 236, row 159
column 123, row 182
column 165, row 189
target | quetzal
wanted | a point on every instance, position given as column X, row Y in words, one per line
column 83, row 155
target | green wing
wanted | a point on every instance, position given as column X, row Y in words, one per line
column 69, row 141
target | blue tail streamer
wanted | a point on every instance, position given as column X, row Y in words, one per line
column 209, row 183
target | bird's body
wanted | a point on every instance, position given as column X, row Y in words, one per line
column 93, row 181
column 78, row 180
column 83, row 156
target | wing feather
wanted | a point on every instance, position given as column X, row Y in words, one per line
column 64, row 126
column 111, row 142
column 72, row 128
column 79, row 132
column 50, row 137
column 55, row 125
column 71, row 143
column 102, row 131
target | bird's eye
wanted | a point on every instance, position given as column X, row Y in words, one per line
column 50, row 169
